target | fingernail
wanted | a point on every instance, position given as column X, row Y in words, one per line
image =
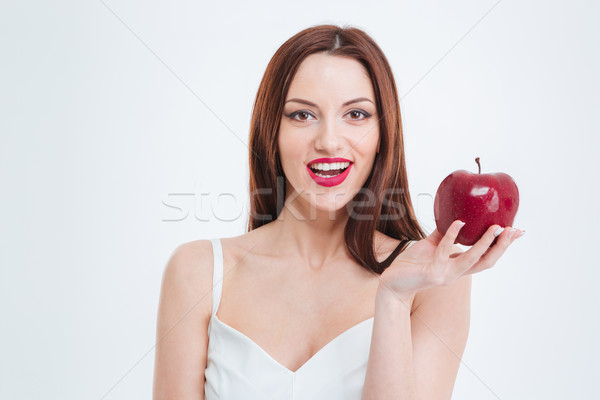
column 461, row 224
column 512, row 232
column 521, row 234
column 498, row 231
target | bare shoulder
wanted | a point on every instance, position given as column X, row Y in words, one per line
column 182, row 322
column 189, row 270
column 188, row 256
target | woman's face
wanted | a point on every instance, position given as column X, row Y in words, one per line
column 340, row 122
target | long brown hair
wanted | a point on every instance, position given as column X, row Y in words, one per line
column 393, row 215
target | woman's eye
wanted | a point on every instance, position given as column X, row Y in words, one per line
column 357, row 114
column 302, row 114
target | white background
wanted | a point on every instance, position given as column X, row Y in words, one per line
column 108, row 109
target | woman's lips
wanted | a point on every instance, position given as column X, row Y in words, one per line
column 329, row 160
column 328, row 182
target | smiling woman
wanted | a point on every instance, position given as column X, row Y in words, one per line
column 324, row 297
column 332, row 89
column 335, row 127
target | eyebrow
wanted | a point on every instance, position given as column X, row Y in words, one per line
column 308, row 103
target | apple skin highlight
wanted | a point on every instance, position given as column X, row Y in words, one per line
column 479, row 200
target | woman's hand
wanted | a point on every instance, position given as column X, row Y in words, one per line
column 435, row 261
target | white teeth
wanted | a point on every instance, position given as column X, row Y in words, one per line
column 330, row 166
column 325, row 176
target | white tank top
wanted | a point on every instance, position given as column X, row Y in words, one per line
column 238, row 369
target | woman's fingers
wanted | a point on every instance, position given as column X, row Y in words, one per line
column 490, row 257
column 479, row 257
column 435, row 237
column 444, row 248
column 467, row 259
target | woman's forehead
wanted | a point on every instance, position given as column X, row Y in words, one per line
column 325, row 76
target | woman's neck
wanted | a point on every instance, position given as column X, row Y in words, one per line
column 315, row 237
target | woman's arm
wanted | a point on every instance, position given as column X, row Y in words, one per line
column 390, row 370
column 418, row 356
column 183, row 315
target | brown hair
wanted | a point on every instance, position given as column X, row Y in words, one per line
column 393, row 215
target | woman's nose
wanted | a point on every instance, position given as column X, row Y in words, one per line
column 329, row 139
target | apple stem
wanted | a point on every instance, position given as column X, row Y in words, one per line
column 479, row 165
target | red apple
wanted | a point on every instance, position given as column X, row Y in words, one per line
column 479, row 200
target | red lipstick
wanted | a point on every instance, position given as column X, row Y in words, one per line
column 329, row 160
column 334, row 180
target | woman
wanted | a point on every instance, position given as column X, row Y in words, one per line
column 335, row 292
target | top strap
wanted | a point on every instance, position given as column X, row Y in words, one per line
column 217, row 274
column 411, row 243
column 403, row 244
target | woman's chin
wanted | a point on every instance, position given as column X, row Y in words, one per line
column 329, row 202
